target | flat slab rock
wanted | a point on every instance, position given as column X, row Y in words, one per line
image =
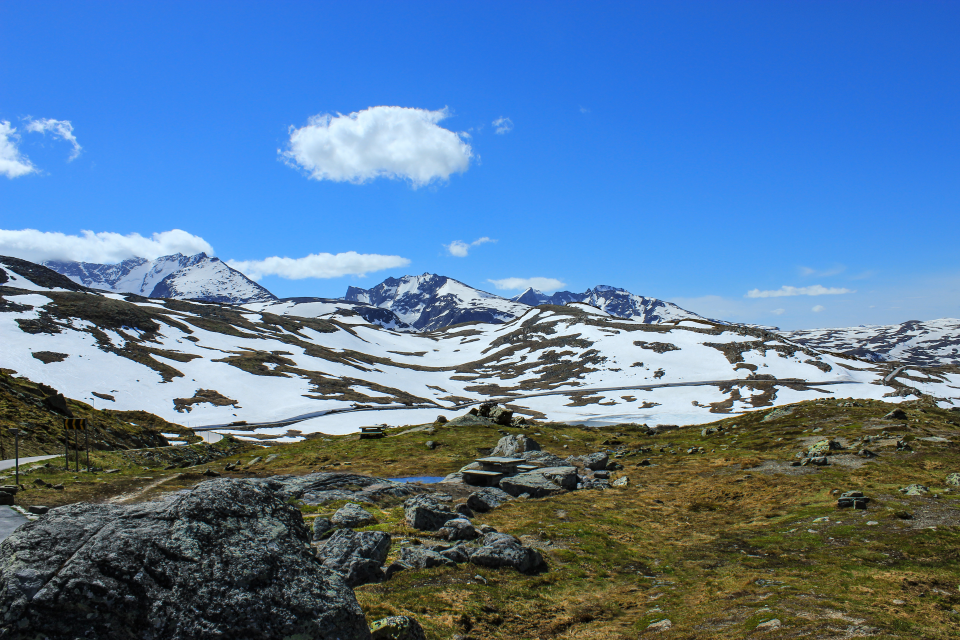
column 229, row 559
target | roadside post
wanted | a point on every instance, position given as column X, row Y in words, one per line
column 16, row 455
column 75, row 425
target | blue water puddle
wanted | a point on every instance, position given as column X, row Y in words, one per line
column 423, row 479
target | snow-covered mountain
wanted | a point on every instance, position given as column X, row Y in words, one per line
column 206, row 363
column 617, row 302
column 930, row 343
column 332, row 309
column 198, row 277
column 430, row 302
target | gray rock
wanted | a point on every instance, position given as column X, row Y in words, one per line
column 953, row 479
column 459, row 553
column 321, row 528
column 397, row 628
column 518, row 421
column 601, row 475
column 824, row 447
column 470, row 420
column 353, row 516
column 622, row 481
column 513, row 446
column 464, row 510
column 356, row 556
column 423, row 558
column 228, row 559
column 502, row 550
column 500, row 415
column 595, row 461
column 915, row 490
column 896, row 414
column 254, row 461
column 534, row 484
column 563, row 477
column 544, row 459
column 426, row 513
column 38, row 509
column 441, row 420
column 487, row 499
column 866, row 453
column 430, row 444
column 458, row 529
column 596, row 485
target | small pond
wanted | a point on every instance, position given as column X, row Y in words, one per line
column 423, row 479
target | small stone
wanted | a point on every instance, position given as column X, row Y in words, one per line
column 622, row 481
column 397, row 628
column 38, row 509
column 321, row 528
column 601, row 475
column 896, row 414
column 953, row 479
column 112, row 471
column 441, row 420
column 872, row 523
column 430, row 444
column 254, row 461
column 915, row 490
column 769, row 625
column 58, row 487
column 657, row 627
column 270, row 458
column 210, row 473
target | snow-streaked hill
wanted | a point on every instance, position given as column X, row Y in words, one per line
column 197, row 277
column 202, row 363
column 332, row 309
column 617, row 302
column 916, row 343
column 429, row 301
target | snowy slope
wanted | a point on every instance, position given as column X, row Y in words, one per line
column 332, row 309
column 176, row 276
column 207, row 364
column 918, row 343
column 429, row 301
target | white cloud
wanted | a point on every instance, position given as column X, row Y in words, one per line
column 503, row 125
column 12, row 163
column 104, row 247
column 378, row 142
column 318, row 265
column 584, row 110
column 818, row 308
column 519, row 284
column 461, row 249
column 59, row 128
column 815, row 290
column 778, row 312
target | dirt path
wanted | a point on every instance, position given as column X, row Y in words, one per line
column 129, row 497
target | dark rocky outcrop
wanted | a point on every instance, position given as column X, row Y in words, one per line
column 503, row 550
column 229, row 559
column 353, row 516
column 356, row 556
column 487, row 499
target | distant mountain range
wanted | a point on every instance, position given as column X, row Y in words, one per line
column 931, row 343
column 197, row 277
column 617, row 302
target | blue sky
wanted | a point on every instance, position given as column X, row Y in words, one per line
column 803, row 151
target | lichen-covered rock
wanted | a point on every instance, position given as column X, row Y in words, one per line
column 487, row 499
column 229, row 559
column 503, row 550
column 426, row 513
column 594, row 461
column 397, row 628
column 321, row 528
column 353, row 516
column 356, row 556
column 534, row 484
column 544, row 459
column 458, row 529
column 824, row 447
column 423, row 558
column 953, row 479
column 915, row 490
column 513, row 446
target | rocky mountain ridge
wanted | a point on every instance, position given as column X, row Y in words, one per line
column 196, row 277
column 615, row 301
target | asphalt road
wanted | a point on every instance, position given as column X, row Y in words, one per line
column 9, row 464
column 316, row 414
column 9, row 521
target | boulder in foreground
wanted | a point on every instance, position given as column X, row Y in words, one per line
column 229, row 559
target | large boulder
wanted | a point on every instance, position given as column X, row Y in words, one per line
column 501, row 416
column 563, row 477
column 356, row 556
column 503, row 550
column 533, row 483
column 353, row 516
column 487, row 499
column 544, row 459
column 426, row 513
column 228, row 559
column 594, row 461
column 513, row 446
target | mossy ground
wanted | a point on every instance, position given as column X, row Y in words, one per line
column 717, row 542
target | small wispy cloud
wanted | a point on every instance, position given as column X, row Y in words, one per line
column 461, row 249
column 519, row 284
column 815, row 290
column 584, row 110
column 62, row 129
column 318, row 265
column 503, row 125
column 818, row 308
column 778, row 312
